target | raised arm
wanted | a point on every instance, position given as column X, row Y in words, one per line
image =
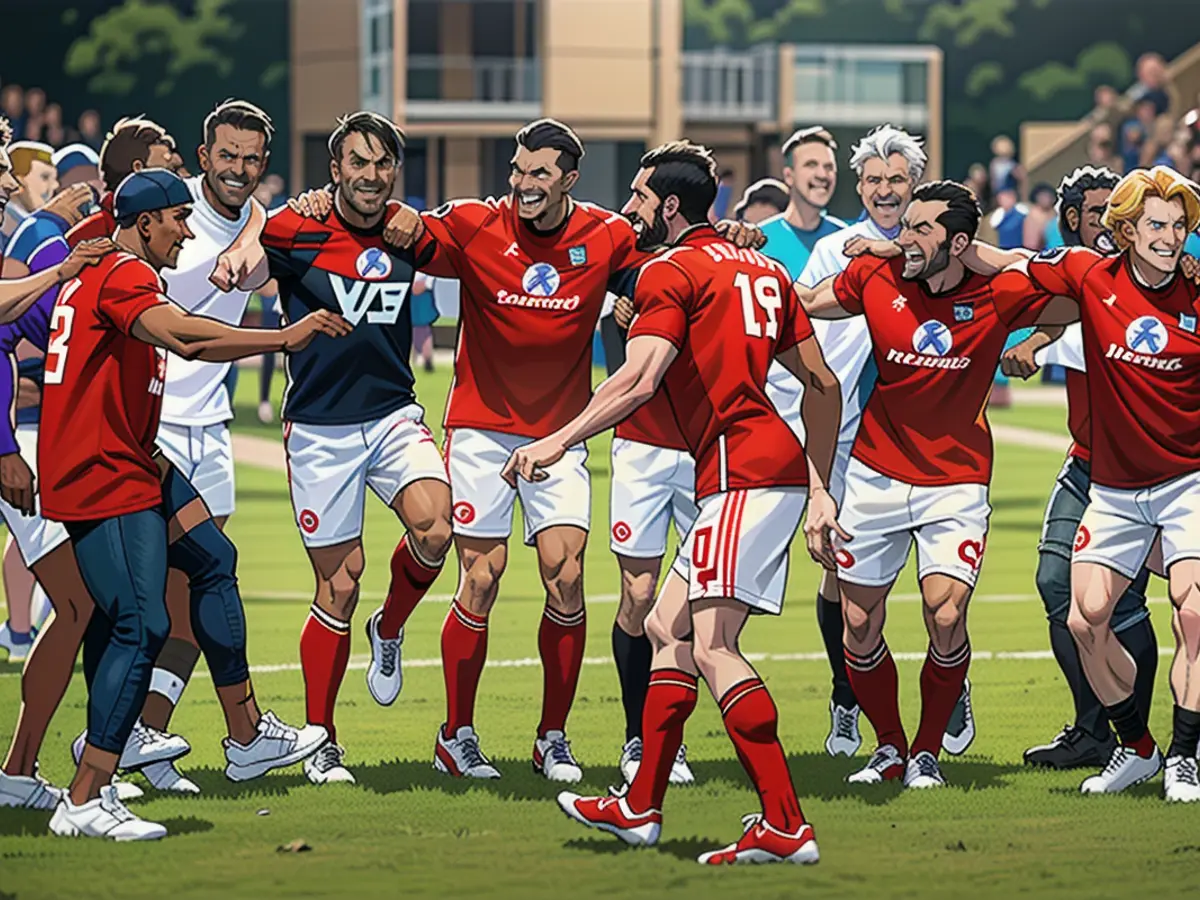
column 198, row 337
column 986, row 259
column 18, row 294
column 820, row 302
column 243, row 263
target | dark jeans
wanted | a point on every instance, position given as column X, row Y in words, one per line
column 613, row 339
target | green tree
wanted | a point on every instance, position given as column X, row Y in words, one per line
column 1106, row 62
column 969, row 21
column 149, row 40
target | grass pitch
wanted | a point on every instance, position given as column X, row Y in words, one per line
column 998, row 830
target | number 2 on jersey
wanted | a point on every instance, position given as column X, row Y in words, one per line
column 61, row 321
column 762, row 293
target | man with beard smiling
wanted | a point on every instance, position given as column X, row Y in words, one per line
column 920, row 465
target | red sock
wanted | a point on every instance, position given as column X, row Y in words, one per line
column 411, row 578
column 561, row 638
column 877, row 688
column 464, row 649
column 753, row 725
column 941, row 686
column 324, row 652
column 670, row 699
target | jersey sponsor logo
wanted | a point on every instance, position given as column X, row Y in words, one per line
column 379, row 302
column 921, row 361
column 1159, row 363
column 899, row 303
column 933, row 338
column 621, row 532
column 971, row 552
column 464, row 513
column 309, row 521
column 538, row 284
column 373, row 264
column 1146, row 334
column 1083, row 537
column 1052, row 254
column 577, row 256
column 540, row 280
column 1187, row 322
column 964, row 312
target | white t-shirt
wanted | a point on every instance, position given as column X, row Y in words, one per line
column 846, row 343
column 195, row 391
column 1067, row 351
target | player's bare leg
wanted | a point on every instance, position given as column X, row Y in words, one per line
column 1110, row 670
column 844, row 738
column 16, row 634
column 561, row 639
column 779, row 832
column 873, row 676
column 424, row 509
column 1181, row 782
column 481, row 563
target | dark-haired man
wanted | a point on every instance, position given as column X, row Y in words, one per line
column 765, row 198
column 920, row 465
column 1089, row 741
column 352, row 421
column 711, row 318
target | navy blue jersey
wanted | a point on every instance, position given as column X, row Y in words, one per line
column 327, row 264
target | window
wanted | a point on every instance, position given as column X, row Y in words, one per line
column 376, row 36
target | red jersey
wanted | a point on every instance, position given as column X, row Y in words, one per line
column 729, row 312
column 99, row 224
column 1142, row 354
column 925, row 423
column 102, row 396
column 653, row 423
column 530, row 304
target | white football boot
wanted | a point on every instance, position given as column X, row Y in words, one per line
column 327, row 765
column 1181, row 781
column 844, row 738
column 384, row 678
column 275, row 746
column 104, row 817
column 28, row 792
column 460, row 755
column 1125, row 769
column 923, row 771
column 885, row 764
column 553, row 759
column 163, row 776
column 960, row 731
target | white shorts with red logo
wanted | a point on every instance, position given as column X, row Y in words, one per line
column 651, row 487
column 35, row 537
column 738, row 547
column 483, row 501
column 885, row 516
column 1120, row 526
column 330, row 468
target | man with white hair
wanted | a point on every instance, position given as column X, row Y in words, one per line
column 889, row 163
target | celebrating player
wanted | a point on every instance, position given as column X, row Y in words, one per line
column 1142, row 351
column 130, row 513
column 920, row 466
column 711, row 319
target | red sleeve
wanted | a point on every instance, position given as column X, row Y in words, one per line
column 1017, row 299
column 1061, row 270
column 130, row 289
column 848, row 284
column 448, row 230
column 281, row 229
column 797, row 327
column 94, row 226
column 664, row 293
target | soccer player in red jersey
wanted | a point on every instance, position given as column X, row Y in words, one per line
column 130, row 514
column 920, row 466
column 711, row 319
column 1139, row 325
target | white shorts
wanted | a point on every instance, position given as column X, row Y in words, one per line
column 738, row 547
column 949, row 524
column 651, row 487
column 330, row 468
column 35, row 536
column 483, row 501
column 204, row 455
column 1120, row 526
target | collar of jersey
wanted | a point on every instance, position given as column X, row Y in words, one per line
column 695, row 232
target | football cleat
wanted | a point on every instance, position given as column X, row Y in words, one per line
column 1072, row 748
column 960, row 731
column 631, row 760
column 762, row 843
column 104, row 817
column 612, row 814
column 384, row 678
column 1181, row 780
column 681, row 772
column 885, row 764
column 28, row 792
column 553, row 759
column 460, row 755
column 327, row 765
column 163, row 776
column 17, row 645
column 276, row 745
column 923, row 771
column 844, row 738
column 1125, row 769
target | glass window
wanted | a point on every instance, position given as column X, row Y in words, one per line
column 423, row 31
column 877, row 82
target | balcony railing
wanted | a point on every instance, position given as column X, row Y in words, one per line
column 857, row 85
column 730, row 85
column 443, row 87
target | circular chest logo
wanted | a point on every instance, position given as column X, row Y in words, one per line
column 932, row 338
column 309, row 521
column 1146, row 334
column 540, row 280
column 464, row 513
column 621, row 532
column 373, row 264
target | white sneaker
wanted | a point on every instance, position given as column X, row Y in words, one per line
column 885, row 764
column 1125, row 769
column 126, row 790
column 461, row 757
column 384, row 678
column 553, row 759
column 631, row 759
column 1181, row 780
column 104, row 817
column 28, row 792
column 148, row 745
column 326, row 766
column 844, row 738
column 923, row 771
column 17, row 651
column 163, row 776
column 681, row 772
column 960, row 731
column 276, row 745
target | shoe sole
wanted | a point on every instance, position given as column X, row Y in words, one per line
column 142, row 763
column 1131, row 784
column 72, row 832
column 371, row 643
column 959, row 745
column 257, row 770
column 537, row 770
column 807, row 855
column 623, row 834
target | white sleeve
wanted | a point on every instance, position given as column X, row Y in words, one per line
column 1067, row 351
column 610, row 300
column 822, row 263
